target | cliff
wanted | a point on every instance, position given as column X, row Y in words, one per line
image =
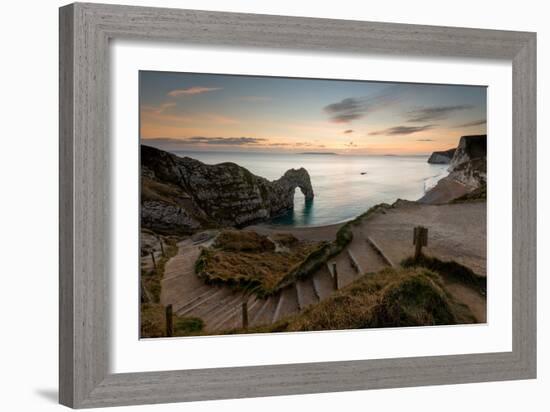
column 442, row 157
column 469, row 148
column 183, row 195
column 467, row 172
column 469, row 164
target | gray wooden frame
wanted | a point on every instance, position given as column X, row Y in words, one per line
column 85, row 31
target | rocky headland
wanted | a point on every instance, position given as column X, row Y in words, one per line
column 467, row 172
column 442, row 157
column 349, row 275
column 181, row 195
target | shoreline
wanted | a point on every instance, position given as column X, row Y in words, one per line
column 311, row 233
column 444, row 191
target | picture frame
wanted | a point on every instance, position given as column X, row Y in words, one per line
column 85, row 33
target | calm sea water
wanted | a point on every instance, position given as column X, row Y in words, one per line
column 341, row 191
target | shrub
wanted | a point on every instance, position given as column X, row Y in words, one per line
column 187, row 326
column 389, row 298
column 452, row 269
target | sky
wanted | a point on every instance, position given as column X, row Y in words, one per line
column 190, row 111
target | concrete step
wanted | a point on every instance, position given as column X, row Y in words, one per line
column 264, row 313
column 178, row 295
column 181, row 298
column 375, row 245
column 228, row 299
column 254, row 308
column 306, row 294
column 213, row 293
column 221, row 311
column 322, row 282
column 232, row 317
column 346, row 272
column 354, row 262
column 287, row 305
column 374, row 261
column 182, row 263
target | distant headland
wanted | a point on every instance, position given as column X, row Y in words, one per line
column 319, row 153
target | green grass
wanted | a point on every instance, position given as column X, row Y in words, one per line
column 187, row 326
column 255, row 268
column 452, row 269
column 248, row 261
column 151, row 280
column 389, row 298
column 477, row 195
column 152, row 318
column 153, row 323
column 345, row 235
column 322, row 255
column 153, row 190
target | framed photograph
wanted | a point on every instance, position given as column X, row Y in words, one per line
column 256, row 205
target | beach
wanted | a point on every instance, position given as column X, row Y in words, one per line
column 212, row 282
column 344, row 185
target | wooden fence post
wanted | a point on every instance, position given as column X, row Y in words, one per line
column 169, row 325
column 420, row 239
column 245, row 314
column 154, row 261
column 334, row 276
column 161, row 247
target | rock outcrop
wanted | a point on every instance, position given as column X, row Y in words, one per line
column 470, row 148
column 183, row 195
column 469, row 164
column 442, row 157
column 467, row 172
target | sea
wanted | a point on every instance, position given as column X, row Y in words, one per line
column 344, row 185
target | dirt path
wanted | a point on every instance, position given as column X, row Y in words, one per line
column 469, row 297
column 378, row 242
column 220, row 307
column 312, row 233
column 455, row 232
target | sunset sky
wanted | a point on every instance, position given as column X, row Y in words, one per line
column 183, row 111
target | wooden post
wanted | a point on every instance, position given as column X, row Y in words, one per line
column 154, row 261
column 420, row 239
column 145, row 295
column 169, row 325
column 161, row 247
column 334, row 276
column 245, row 314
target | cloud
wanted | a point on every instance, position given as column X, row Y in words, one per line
column 255, row 99
column 279, row 144
column 353, row 108
column 424, row 140
column 348, row 131
column 402, row 130
column 231, row 141
column 160, row 108
column 346, row 110
column 221, row 119
column 471, row 124
column 428, row 114
column 192, row 91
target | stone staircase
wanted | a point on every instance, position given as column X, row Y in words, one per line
column 220, row 307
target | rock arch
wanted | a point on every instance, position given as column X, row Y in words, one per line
column 287, row 184
column 184, row 194
column 294, row 178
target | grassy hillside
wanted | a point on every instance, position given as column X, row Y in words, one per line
column 248, row 260
column 389, row 298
